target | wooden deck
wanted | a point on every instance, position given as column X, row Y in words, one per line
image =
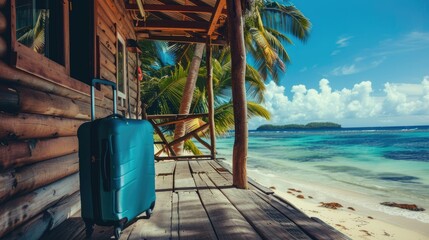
column 196, row 200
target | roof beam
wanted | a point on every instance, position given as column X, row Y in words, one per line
column 180, row 39
column 172, row 8
column 199, row 3
column 171, row 25
column 193, row 16
column 220, row 4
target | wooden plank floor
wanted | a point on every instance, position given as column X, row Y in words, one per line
column 196, row 200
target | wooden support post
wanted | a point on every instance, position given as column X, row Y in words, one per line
column 210, row 98
column 139, row 101
column 238, row 62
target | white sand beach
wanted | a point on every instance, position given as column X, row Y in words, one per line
column 354, row 220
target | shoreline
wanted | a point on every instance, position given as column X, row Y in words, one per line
column 355, row 221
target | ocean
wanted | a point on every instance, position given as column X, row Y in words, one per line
column 363, row 166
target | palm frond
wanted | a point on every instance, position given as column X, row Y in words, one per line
column 190, row 146
column 289, row 17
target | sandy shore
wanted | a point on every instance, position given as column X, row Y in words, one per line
column 353, row 220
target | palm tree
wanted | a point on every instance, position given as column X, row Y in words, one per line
column 188, row 93
column 163, row 95
column 264, row 42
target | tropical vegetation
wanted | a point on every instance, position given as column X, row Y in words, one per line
column 180, row 88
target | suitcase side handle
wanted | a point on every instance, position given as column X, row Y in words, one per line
column 105, row 165
column 104, row 82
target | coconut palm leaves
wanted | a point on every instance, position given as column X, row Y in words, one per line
column 265, row 35
column 163, row 95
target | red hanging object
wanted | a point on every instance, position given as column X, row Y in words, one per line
column 139, row 74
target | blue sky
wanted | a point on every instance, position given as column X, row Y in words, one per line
column 366, row 63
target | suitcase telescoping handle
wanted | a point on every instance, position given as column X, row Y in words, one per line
column 104, row 82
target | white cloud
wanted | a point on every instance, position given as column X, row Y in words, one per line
column 401, row 104
column 358, row 59
column 304, row 69
column 358, row 66
column 335, row 52
column 412, row 41
column 343, row 41
column 345, row 70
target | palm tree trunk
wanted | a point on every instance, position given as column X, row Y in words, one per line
column 188, row 94
column 238, row 68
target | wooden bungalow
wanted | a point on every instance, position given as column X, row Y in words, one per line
column 50, row 51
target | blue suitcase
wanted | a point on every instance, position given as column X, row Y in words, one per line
column 117, row 169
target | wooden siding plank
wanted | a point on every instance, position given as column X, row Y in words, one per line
column 38, row 102
column 107, row 42
column 15, row 212
column 192, row 216
column 106, row 74
column 28, row 178
column 106, row 63
column 106, row 28
column 227, row 221
column 107, row 53
column 25, row 126
column 21, row 153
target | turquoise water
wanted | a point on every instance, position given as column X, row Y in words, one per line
column 379, row 164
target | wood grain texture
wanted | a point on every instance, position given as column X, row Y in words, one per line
column 213, row 209
column 165, row 168
column 193, row 216
column 15, row 212
column 227, row 221
column 27, row 126
column 159, row 225
column 38, row 102
column 238, row 88
column 164, row 183
column 308, row 225
column 267, row 225
column 48, row 220
column 29, row 178
column 20, row 153
column 183, row 178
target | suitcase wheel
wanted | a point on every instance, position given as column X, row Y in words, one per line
column 149, row 213
column 117, row 232
column 89, row 229
column 150, row 210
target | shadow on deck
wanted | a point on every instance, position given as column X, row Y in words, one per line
column 196, row 200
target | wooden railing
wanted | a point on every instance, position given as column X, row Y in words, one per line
column 161, row 121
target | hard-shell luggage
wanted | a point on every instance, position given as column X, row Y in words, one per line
column 117, row 170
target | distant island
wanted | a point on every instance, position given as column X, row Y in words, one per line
column 312, row 125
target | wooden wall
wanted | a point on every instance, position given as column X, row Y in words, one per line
column 111, row 21
column 39, row 118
